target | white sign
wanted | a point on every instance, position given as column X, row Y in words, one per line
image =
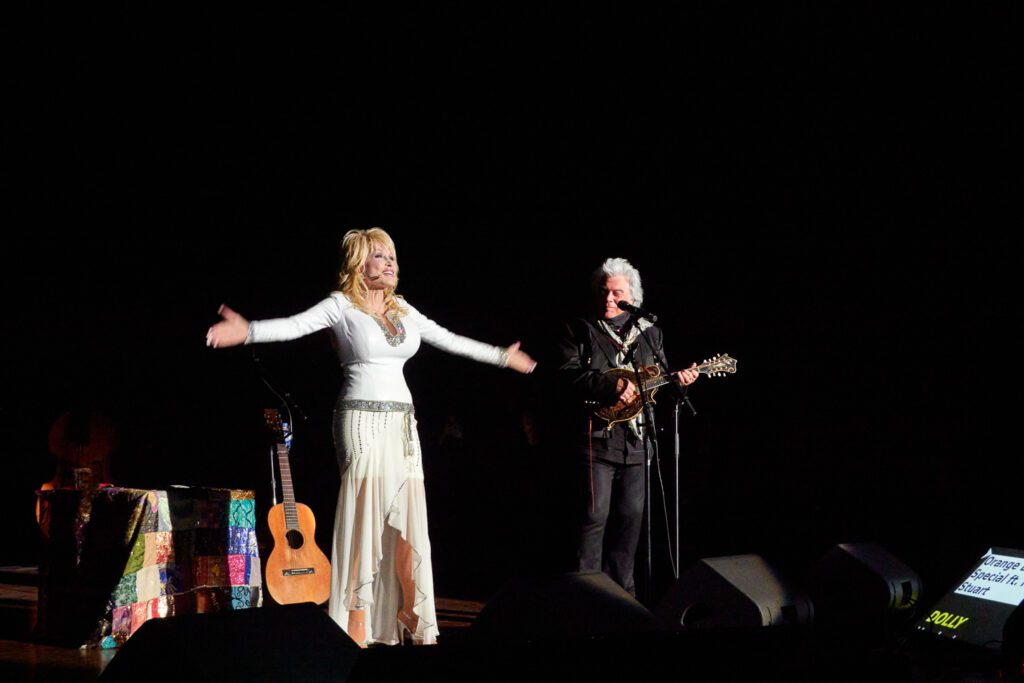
column 999, row 578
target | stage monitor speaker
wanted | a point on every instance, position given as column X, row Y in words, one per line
column 862, row 584
column 734, row 591
column 985, row 607
column 1013, row 635
column 564, row 605
column 277, row 643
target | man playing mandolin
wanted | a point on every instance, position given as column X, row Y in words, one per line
column 596, row 363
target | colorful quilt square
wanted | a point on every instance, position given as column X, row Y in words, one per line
column 172, row 578
column 241, row 597
column 160, row 608
column 137, row 558
column 159, row 548
column 150, row 512
column 210, row 571
column 149, row 583
column 243, row 513
column 163, row 517
column 150, row 609
column 121, row 620
column 238, row 540
column 125, row 593
column 238, row 570
column 254, row 548
column 140, row 615
column 255, row 571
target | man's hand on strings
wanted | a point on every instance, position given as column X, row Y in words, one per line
column 626, row 389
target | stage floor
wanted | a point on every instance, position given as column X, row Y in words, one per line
column 740, row 657
column 805, row 653
column 21, row 659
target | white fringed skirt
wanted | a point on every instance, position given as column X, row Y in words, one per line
column 381, row 499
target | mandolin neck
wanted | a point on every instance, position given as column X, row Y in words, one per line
column 662, row 380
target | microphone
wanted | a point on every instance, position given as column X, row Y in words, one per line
column 637, row 311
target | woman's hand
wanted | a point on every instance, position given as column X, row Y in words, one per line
column 519, row 360
column 231, row 331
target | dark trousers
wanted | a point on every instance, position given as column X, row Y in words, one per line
column 612, row 519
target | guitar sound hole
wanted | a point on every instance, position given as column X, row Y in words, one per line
column 295, row 539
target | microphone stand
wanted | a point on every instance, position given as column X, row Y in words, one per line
column 675, row 426
column 675, row 473
column 681, row 396
column 650, row 448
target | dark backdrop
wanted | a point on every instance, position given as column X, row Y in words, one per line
column 829, row 195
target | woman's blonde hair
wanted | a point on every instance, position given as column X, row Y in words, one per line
column 356, row 247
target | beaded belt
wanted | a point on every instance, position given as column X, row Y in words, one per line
column 375, row 406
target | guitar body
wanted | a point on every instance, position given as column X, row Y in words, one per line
column 297, row 570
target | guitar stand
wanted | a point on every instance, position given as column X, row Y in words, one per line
column 286, row 433
column 286, row 405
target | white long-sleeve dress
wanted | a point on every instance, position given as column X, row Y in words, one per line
column 379, row 456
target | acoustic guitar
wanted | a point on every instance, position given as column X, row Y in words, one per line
column 718, row 366
column 297, row 570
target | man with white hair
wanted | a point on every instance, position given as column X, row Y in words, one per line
column 613, row 454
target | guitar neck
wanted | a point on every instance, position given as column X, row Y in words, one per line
column 291, row 517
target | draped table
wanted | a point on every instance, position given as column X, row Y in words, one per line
column 115, row 557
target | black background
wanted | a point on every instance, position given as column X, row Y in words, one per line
column 828, row 194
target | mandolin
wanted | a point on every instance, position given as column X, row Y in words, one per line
column 718, row 366
column 297, row 570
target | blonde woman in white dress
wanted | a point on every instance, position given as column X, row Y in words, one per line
column 382, row 584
